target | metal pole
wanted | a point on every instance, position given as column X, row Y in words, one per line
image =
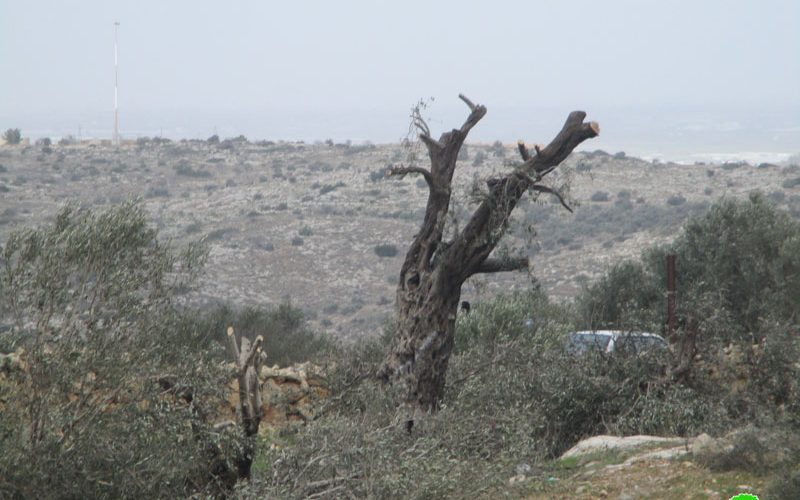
column 672, row 295
column 116, row 83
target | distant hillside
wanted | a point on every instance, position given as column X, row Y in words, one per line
column 321, row 226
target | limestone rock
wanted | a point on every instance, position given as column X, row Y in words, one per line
column 616, row 443
column 292, row 394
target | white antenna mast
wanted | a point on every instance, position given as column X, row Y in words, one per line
column 116, row 82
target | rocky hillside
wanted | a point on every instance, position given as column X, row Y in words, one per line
column 320, row 225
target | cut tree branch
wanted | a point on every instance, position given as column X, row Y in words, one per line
column 234, row 349
column 545, row 189
column 523, row 151
column 573, row 133
column 489, row 221
column 401, row 172
column 478, row 111
column 248, row 360
column 430, row 142
column 469, row 103
column 503, row 265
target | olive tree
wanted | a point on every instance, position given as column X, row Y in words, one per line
column 435, row 268
column 111, row 390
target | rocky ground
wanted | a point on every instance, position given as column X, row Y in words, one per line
column 321, row 226
column 638, row 467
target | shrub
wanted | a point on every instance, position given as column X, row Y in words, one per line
column 676, row 200
column 621, row 298
column 785, row 485
column 220, row 234
column 732, row 165
column 498, row 149
column 791, row 183
column 193, row 228
column 92, row 300
column 327, row 188
column 187, row 171
column 157, row 192
column 463, row 153
column 12, row 136
column 735, row 260
column 378, row 175
column 513, row 399
column 479, row 158
column 599, row 196
column 297, row 241
column 305, row 231
column 385, row 250
column 287, row 337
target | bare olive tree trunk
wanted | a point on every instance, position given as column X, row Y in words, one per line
column 250, row 409
column 434, row 270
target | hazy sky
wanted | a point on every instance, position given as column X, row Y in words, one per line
column 56, row 57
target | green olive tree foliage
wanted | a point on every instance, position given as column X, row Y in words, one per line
column 111, row 390
column 12, row 136
column 738, row 265
column 738, row 271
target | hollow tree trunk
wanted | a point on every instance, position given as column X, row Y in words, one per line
column 434, row 270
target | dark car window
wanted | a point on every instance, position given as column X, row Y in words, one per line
column 582, row 342
column 638, row 344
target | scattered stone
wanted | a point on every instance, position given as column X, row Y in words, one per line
column 517, row 479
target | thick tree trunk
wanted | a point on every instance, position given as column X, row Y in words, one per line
column 434, row 270
column 424, row 342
